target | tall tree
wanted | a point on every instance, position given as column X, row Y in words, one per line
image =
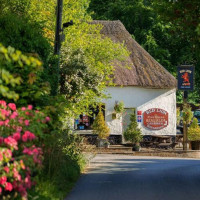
column 184, row 16
column 168, row 30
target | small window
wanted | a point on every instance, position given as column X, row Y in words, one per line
column 84, row 122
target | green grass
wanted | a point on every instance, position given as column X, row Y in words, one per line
column 60, row 184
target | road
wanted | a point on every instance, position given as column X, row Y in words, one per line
column 123, row 177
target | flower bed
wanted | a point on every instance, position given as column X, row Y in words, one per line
column 21, row 134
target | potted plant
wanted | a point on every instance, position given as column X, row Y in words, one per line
column 133, row 133
column 101, row 129
column 194, row 134
column 118, row 108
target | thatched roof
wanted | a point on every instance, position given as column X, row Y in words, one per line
column 144, row 70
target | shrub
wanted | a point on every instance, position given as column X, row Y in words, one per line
column 99, row 126
column 119, row 107
column 133, row 133
column 21, row 77
column 194, row 131
column 187, row 114
column 20, row 148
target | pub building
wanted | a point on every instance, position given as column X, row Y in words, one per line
column 144, row 85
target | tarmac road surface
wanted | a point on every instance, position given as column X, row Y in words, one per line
column 123, row 177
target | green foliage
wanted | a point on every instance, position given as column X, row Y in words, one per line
column 141, row 21
column 194, row 131
column 168, row 30
column 184, row 19
column 99, row 126
column 187, row 114
column 133, row 133
column 91, row 58
column 26, row 71
column 27, row 36
column 8, row 79
column 66, row 150
column 77, row 78
column 119, row 107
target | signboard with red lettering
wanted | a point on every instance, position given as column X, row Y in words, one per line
column 155, row 118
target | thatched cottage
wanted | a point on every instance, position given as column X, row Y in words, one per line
column 145, row 85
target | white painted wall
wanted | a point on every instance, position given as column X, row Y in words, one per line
column 141, row 99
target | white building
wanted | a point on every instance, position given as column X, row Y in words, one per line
column 145, row 86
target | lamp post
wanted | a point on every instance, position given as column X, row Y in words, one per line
column 59, row 36
column 185, row 83
column 58, row 27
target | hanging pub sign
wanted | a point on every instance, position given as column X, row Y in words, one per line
column 186, row 77
column 155, row 118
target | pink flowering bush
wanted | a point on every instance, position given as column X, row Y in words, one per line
column 21, row 134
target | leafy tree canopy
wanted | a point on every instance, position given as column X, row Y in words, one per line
column 168, row 30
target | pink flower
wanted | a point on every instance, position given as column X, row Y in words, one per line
column 12, row 106
column 20, row 120
column 6, row 169
column 3, row 103
column 17, row 136
column 15, row 185
column 22, row 190
column 31, row 136
column 27, row 151
column 47, row 119
column 7, row 153
column 1, row 156
column 5, row 113
column 11, row 142
column 28, row 181
column 24, row 137
column 1, row 123
column 13, row 115
column 0, row 190
column 35, row 151
column 23, row 108
column 27, row 113
column 28, row 136
column 6, row 122
column 26, row 122
column 3, row 180
column 16, row 175
column 30, row 107
column 19, row 129
column 8, row 186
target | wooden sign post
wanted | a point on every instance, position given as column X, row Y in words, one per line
column 185, row 83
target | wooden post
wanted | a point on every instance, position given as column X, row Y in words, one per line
column 185, row 95
column 58, row 27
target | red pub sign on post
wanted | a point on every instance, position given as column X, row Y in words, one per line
column 155, row 118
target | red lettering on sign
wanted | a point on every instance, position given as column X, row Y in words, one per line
column 155, row 118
